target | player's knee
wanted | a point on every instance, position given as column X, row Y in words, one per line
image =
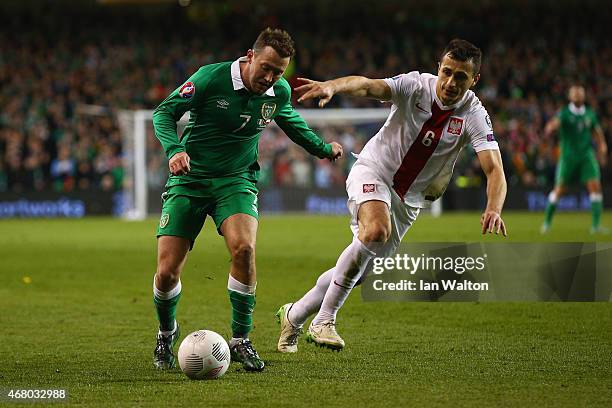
column 243, row 252
column 375, row 232
column 594, row 188
column 167, row 278
column 168, row 272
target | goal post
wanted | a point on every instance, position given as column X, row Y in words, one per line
column 145, row 164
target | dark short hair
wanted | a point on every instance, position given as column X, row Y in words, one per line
column 278, row 39
column 462, row 50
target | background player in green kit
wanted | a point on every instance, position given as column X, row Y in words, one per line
column 578, row 126
column 214, row 172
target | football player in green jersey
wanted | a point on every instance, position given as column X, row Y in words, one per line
column 213, row 172
column 577, row 125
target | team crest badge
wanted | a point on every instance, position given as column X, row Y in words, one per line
column 369, row 188
column 267, row 110
column 164, row 220
column 454, row 126
column 187, row 90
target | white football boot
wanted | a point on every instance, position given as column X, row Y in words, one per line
column 289, row 334
column 325, row 335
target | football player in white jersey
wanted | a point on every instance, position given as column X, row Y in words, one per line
column 402, row 169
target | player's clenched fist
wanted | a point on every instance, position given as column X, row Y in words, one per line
column 336, row 151
column 179, row 164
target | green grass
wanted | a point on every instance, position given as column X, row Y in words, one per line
column 86, row 323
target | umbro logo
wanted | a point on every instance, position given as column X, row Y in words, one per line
column 222, row 104
column 419, row 107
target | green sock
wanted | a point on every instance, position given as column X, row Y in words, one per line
column 596, row 208
column 242, row 313
column 549, row 212
column 165, row 305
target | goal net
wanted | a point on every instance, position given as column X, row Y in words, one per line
column 314, row 185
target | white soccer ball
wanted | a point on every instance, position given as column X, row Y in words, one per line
column 204, row 355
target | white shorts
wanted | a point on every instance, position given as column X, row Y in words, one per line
column 364, row 184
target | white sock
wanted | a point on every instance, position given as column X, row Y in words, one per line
column 166, row 295
column 552, row 197
column 349, row 268
column 595, row 197
column 311, row 301
column 237, row 286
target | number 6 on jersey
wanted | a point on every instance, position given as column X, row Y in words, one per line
column 428, row 138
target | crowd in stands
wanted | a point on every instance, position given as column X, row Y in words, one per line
column 55, row 64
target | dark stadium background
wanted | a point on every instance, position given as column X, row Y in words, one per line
column 68, row 67
column 76, row 310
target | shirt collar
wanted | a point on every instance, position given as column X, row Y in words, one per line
column 577, row 110
column 237, row 78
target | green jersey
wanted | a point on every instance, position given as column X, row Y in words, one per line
column 225, row 123
column 575, row 132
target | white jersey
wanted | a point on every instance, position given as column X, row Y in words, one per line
column 416, row 149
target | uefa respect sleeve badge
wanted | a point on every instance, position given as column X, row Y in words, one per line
column 187, row 90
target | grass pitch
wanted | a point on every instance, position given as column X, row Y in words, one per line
column 76, row 314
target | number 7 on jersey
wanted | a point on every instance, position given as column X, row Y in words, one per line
column 246, row 118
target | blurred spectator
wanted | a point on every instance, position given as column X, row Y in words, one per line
column 54, row 61
column 63, row 169
column 301, row 168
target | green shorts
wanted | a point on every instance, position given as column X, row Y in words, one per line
column 185, row 207
column 577, row 170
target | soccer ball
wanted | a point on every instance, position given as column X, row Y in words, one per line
column 204, row 355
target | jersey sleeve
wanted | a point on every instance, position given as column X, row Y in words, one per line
column 480, row 131
column 402, row 86
column 187, row 96
column 299, row 132
column 561, row 115
column 594, row 120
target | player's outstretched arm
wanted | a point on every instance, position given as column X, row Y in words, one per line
column 350, row 85
column 491, row 163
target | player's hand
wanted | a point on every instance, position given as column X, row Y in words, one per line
column 336, row 151
column 492, row 222
column 314, row 89
column 179, row 164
